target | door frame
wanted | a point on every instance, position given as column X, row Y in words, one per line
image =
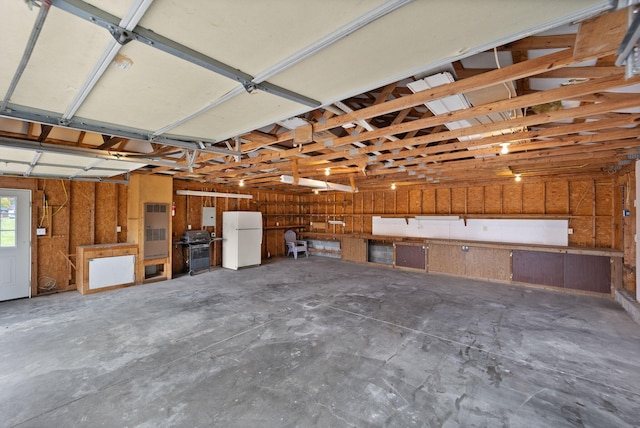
column 28, row 194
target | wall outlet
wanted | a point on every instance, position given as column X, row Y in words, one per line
column 41, row 231
column 188, row 227
column 570, row 231
column 118, row 229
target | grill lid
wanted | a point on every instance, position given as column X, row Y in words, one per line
column 195, row 236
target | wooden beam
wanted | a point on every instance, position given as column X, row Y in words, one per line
column 294, row 166
column 601, row 35
column 517, row 71
column 559, row 41
column 45, row 130
column 505, row 105
column 110, row 142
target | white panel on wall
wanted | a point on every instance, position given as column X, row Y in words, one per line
column 526, row 231
column 109, row 271
column 208, row 216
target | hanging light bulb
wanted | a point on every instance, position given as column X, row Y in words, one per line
column 505, row 148
column 241, row 183
column 326, row 171
column 518, row 178
column 393, row 186
column 316, row 191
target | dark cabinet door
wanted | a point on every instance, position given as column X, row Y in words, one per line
column 535, row 267
column 412, row 256
column 575, row 271
column 590, row 273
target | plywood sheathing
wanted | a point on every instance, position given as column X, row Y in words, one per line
column 106, row 217
column 589, row 205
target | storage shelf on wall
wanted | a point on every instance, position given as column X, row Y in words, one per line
column 284, row 227
column 467, row 216
column 284, row 215
column 301, row 203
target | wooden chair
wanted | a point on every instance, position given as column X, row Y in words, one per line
column 294, row 245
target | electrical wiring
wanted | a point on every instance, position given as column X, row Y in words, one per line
column 44, row 212
column 66, row 195
column 44, row 204
column 495, row 54
column 46, row 283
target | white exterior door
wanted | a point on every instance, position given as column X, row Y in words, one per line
column 15, row 243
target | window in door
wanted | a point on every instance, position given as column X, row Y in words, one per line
column 8, row 221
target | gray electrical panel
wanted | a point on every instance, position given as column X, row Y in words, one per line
column 208, row 216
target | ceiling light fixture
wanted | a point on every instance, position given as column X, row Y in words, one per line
column 505, row 148
column 317, row 184
column 518, row 178
column 393, row 186
column 327, row 171
column 241, row 183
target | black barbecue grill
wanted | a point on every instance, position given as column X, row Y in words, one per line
column 197, row 246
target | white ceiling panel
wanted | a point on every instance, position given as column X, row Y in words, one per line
column 115, row 164
column 52, row 164
column 57, row 171
column 416, row 38
column 60, row 159
column 14, row 168
column 247, row 34
column 65, row 53
column 230, row 118
column 8, row 154
column 156, row 89
column 118, row 8
column 17, row 20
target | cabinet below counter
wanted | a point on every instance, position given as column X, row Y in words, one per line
column 586, row 270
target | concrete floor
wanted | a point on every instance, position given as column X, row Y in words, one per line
column 318, row 342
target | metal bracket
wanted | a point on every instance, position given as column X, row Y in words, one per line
column 122, row 35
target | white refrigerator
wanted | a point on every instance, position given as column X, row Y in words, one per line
column 241, row 239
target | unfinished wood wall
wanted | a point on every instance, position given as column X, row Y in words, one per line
column 74, row 213
column 84, row 213
column 593, row 206
column 279, row 213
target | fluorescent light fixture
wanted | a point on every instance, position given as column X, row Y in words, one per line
column 317, row 184
column 215, row 194
column 438, row 217
column 340, row 222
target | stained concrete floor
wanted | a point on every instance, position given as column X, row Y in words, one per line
column 318, row 342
